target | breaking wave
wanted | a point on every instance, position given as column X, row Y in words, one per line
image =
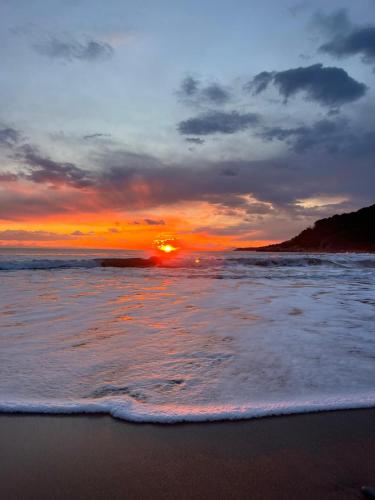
column 205, row 262
column 170, row 414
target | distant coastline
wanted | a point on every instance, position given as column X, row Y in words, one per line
column 346, row 233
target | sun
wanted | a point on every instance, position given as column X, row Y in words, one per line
column 167, row 248
column 166, row 245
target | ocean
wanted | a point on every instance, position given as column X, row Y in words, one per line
column 203, row 336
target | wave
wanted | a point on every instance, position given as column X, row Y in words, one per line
column 289, row 262
column 270, row 261
column 46, row 264
column 165, row 414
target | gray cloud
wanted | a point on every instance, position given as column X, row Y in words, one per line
column 9, row 137
column 68, row 49
column 229, row 171
column 95, row 136
column 121, row 180
column 347, row 39
column 195, row 140
column 43, row 170
column 215, row 94
column 214, row 122
column 333, row 136
column 154, row 222
column 189, row 87
column 192, row 91
column 21, row 235
column 330, row 86
column 279, row 182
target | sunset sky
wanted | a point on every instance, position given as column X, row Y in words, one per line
column 220, row 123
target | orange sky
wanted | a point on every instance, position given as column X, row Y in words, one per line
column 114, row 230
column 197, row 225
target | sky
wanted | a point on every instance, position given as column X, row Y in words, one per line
column 219, row 123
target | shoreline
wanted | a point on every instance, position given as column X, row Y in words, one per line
column 325, row 455
column 202, row 415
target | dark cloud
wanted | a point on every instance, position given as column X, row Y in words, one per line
column 121, row 181
column 9, row 137
column 326, row 134
column 360, row 41
column 333, row 136
column 43, row 170
column 154, row 222
column 192, row 91
column 189, row 87
column 95, row 136
column 195, row 140
column 214, row 122
column 330, row 86
column 70, row 49
column 215, row 94
column 229, row 171
column 260, row 82
column 40, row 169
column 280, row 182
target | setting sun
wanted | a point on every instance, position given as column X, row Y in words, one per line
column 167, row 248
column 166, row 243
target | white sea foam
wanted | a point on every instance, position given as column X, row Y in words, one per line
column 165, row 414
column 222, row 336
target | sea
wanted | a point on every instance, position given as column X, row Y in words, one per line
column 201, row 337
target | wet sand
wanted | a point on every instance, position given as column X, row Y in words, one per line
column 318, row 456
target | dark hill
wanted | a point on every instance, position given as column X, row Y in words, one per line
column 352, row 232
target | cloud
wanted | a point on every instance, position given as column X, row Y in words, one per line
column 195, row 140
column 69, row 49
column 333, row 136
column 214, row 122
column 8, row 177
column 43, row 170
column 229, row 171
column 21, row 235
column 153, row 222
column 95, row 136
column 215, row 94
column 329, row 86
column 346, row 39
column 189, row 87
column 326, row 134
column 9, row 137
column 149, row 222
column 122, row 181
column 40, row 168
column 81, row 233
column 192, row 91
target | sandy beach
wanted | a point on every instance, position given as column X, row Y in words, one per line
column 317, row 456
